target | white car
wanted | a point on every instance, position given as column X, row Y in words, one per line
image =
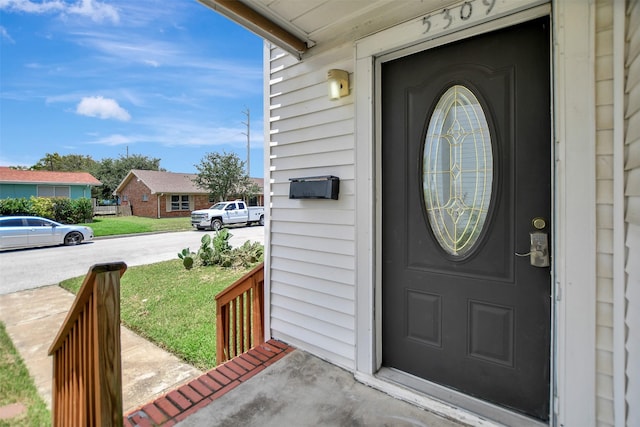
column 33, row 231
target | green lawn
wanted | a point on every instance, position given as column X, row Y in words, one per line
column 173, row 307
column 114, row 225
column 17, row 387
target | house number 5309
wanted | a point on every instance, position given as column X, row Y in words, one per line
column 463, row 12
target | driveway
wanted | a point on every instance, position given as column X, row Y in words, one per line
column 33, row 268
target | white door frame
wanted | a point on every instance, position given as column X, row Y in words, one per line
column 573, row 382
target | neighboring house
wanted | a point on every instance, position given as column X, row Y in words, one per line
column 156, row 194
column 258, row 199
column 15, row 183
column 468, row 133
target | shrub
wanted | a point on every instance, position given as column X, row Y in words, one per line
column 218, row 251
column 66, row 211
column 19, row 206
column 82, row 210
column 222, row 248
column 42, row 206
column 247, row 254
column 63, row 211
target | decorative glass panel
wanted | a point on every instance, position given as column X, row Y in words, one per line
column 457, row 170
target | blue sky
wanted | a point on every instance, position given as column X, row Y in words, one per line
column 163, row 79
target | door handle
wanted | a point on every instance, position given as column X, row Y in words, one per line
column 539, row 245
column 539, row 256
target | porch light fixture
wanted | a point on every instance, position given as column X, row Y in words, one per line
column 338, row 84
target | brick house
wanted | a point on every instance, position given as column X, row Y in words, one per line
column 157, row 194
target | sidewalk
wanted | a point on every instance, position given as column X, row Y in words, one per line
column 33, row 318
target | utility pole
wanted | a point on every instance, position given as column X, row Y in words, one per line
column 247, row 113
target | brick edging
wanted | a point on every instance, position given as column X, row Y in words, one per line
column 178, row 404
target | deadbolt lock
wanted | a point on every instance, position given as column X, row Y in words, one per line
column 538, row 223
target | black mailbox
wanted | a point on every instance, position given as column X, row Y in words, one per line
column 314, row 187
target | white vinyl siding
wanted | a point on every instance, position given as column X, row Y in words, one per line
column 604, row 215
column 312, row 242
column 632, row 198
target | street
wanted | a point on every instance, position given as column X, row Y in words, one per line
column 32, row 268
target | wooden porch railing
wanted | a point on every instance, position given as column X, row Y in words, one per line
column 87, row 371
column 240, row 315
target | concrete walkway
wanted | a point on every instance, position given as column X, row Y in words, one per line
column 33, row 318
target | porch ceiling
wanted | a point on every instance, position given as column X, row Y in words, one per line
column 320, row 24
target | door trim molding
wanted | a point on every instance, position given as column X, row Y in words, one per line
column 574, row 129
column 573, row 327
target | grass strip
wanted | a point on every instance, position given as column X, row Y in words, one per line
column 17, row 387
column 173, row 307
column 115, row 225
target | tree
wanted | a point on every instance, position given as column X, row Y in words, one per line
column 111, row 172
column 224, row 176
column 66, row 163
column 108, row 171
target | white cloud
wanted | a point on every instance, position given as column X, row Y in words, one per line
column 27, row 6
column 115, row 139
column 92, row 9
column 104, row 108
column 169, row 131
column 4, row 34
column 127, row 47
column 98, row 12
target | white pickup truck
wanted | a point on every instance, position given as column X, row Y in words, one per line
column 225, row 213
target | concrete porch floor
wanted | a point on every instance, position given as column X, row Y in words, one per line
column 274, row 385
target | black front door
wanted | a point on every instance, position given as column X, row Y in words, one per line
column 466, row 177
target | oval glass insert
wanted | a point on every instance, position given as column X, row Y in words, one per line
column 457, row 170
